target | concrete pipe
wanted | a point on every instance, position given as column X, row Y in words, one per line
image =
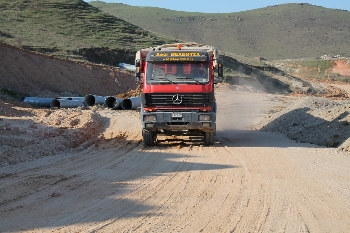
column 100, row 99
column 90, row 100
column 72, row 98
column 131, row 103
column 37, row 101
column 81, row 99
column 113, row 102
column 64, row 103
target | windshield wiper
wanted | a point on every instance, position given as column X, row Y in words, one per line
column 194, row 80
column 161, row 80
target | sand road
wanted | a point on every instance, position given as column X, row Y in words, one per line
column 249, row 181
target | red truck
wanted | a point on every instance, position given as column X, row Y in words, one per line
column 177, row 96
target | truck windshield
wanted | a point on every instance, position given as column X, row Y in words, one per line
column 177, row 72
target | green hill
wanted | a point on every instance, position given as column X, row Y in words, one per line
column 275, row 32
column 75, row 29
column 71, row 27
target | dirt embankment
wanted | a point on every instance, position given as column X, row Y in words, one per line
column 342, row 67
column 30, row 73
column 315, row 120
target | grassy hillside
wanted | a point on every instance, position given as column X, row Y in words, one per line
column 275, row 32
column 68, row 27
column 77, row 30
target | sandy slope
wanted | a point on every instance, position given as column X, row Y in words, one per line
column 250, row 181
column 31, row 73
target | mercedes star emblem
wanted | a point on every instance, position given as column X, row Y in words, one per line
column 177, row 99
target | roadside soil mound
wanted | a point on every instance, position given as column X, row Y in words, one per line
column 315, row 120
column 27, row 134
column 342, row 67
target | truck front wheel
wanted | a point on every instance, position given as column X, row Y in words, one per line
column 209, row 138
column 148, row 137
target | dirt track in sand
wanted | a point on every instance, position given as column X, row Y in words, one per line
column 250, row 181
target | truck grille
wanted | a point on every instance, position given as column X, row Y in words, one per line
column 185, row 99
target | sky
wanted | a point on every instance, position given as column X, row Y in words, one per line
column 226, row 6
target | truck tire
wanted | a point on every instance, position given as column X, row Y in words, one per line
column 148, row 137
column 209, row 138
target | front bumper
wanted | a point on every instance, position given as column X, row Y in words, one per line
column 188, row 121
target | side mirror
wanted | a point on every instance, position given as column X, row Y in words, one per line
column 138, row 70
column 138, row 74
column 220, row 69
column 137, row 63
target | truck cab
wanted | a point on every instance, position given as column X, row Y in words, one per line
column 177, row 96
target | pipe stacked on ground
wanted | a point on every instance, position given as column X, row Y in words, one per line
column 131, row 103
column 108, row 101
column 66, row 103
column 113, row 102
column 89, row 100
column 37, row 101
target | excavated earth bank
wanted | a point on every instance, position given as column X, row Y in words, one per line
column 315, row 120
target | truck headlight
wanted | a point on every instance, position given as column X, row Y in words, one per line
column 204, row 117
column 149, row 118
